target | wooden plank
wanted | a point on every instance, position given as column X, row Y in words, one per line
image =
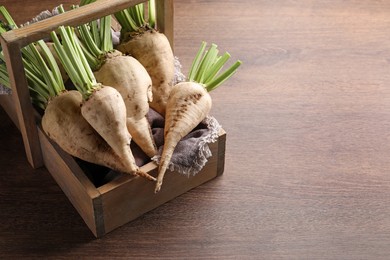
column 126, row 202
column 22, row 103
column 221, row 152
column 40, row 30
column 165, row 19
column 73, row 182
column 125, row 178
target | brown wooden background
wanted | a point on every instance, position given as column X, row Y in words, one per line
column 307, row 172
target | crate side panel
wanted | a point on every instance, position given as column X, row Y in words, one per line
column 22, row 102
column 221, row 152
column 134, row 198
column 80, row 193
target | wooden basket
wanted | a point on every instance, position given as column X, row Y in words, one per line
column 119, row 201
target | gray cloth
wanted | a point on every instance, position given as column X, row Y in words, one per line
column 190, row 156
column 192, row 152
column 4, row 90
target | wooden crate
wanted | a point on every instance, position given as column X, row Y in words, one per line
column 123, row 199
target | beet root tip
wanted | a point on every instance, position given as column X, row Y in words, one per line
column 158, row 186
column 145, row 175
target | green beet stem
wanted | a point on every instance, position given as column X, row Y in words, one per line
column 216, row 67
column 133, row 18
column 42, row 71
column 74, row 61
column 152, row 13
column 88, row 40
column 137, row 13
column 195, row 64
column 4, row 78
column 223, row 77
column 96, row 38
column 105, row 34
column 8, row 17
column 207, row 60
column 206, row 67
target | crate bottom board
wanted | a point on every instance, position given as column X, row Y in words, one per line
column 122, row 200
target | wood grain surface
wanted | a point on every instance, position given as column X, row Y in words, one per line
column 307, row 173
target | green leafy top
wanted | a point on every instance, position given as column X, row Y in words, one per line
column 42, row 71
column 207, row 65
column 74, row 61
column 95, row 38
column 133, row 18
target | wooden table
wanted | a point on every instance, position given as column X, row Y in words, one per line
column 307, row 172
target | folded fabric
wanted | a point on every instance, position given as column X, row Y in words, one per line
column 4, row 90
column 192, row 152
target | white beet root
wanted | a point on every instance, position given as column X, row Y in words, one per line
column 153, row 51
column 105, row 111
column 65, row 125
column 129, row 77
column 188, row 104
